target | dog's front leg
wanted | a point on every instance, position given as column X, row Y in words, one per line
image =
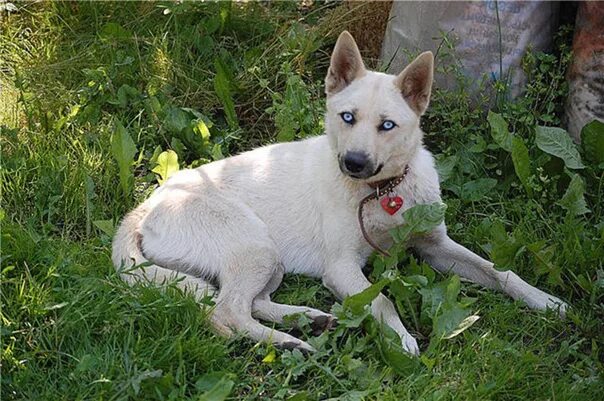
column 446, row 255
column 345, row 278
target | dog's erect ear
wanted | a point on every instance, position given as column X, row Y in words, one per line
column 346, row 64
column 415, row 82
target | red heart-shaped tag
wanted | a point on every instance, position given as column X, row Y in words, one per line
column 391, row 204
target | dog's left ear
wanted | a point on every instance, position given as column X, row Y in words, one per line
column 346, row 64
column 415, row 82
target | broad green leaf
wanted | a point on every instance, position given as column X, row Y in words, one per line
column 211, row 24
column 390, row 347
column 106, row 226
column 197, row 114
column 111, row 30
column 401, row 289
column 428, row 362
column 222, row 88
column 420, row 219
column 156, row 152
column 415, row 269
column 557, row 142
column 499, row 131
column 416, row 279
column 209, row 380
column 87, row 362
column 202, row 129
column 73, row 112
column 592, row 140
column 154, row 104
column 136, row 381
column 204, row 44
column 445, row 166
column 177, row 146
column 349, row 319
column 270, row 357
column 522, row 163
column 452, row 289
column 123, row 150
column 167, row 164
column 217, row 152
column 573, row 199
column 301, row 396
column 440, row 295
column 177, row 119
column 448, row 320
column 219, row 392
column 475, row 190
column 124, row 93
column 463, row 326
column 356, row 303
column 504, row 248
column 543, row 258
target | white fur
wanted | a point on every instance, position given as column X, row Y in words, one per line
column 244, row 221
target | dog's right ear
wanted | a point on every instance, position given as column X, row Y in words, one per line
column 346, row 64
column 415, row 82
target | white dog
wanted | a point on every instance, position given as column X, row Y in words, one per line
column 235, row 226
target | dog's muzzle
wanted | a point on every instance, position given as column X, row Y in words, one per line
column 358, row 165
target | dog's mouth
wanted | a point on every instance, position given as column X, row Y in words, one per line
column 362, row 176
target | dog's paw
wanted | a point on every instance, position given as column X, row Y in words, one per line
column 323, row 322
column 542, row 301
column 556, row 304
column 303, row 346
column 410, row 344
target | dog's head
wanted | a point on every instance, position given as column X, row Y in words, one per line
column 372, row 118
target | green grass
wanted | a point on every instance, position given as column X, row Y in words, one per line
column 207, row 80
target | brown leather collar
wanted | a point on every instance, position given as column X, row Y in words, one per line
column 389, row 183
column 382, row 188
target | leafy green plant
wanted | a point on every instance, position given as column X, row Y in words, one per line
column 222, row 83
column 123, row 150
column 297, row 114
column 556, row 141
column 167, row 164
column 592, row 139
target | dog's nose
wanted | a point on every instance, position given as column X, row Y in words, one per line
column 356, row 162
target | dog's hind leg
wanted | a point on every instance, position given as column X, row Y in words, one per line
column 162, row 276
column 265, row 309
column 209, row 235
column 232, row 312
column 446, row 255
column 240, row 284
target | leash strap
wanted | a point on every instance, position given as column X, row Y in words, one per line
column 381, row 188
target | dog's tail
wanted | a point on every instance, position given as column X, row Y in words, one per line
column 128, row 258
column 126, row 250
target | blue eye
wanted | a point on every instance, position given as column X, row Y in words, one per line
column 387, row 125
column 347, row 117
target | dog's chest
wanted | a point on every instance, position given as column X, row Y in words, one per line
column 377, row 216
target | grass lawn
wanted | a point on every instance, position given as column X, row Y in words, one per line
column 99, row 101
